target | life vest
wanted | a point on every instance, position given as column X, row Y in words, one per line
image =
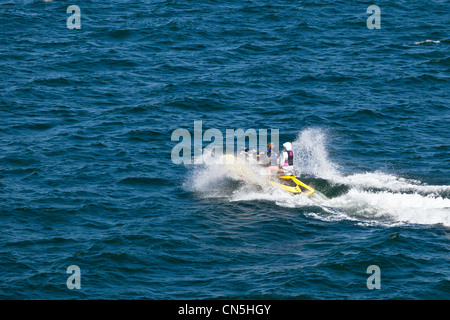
column 289, row 161
column 271, row 154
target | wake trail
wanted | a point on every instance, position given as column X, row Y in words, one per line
column 371, row 197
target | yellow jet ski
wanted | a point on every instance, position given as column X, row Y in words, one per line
column 288, row 183
column 293, row 185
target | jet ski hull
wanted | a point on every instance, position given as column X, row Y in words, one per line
column 295, row 187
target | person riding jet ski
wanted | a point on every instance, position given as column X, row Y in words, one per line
column 286, row 161
column 269, row 159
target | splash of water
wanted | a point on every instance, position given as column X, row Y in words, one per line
column 371, row 197
column 311, row 156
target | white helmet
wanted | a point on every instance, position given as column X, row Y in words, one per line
column 288, row 146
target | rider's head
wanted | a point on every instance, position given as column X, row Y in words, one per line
column 287, row 146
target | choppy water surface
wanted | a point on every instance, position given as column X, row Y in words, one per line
column 86, row 176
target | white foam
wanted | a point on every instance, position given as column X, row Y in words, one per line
column 394, row 207
column 427, row 41
column 373, row 197
column 380, row 180
column 273, row 194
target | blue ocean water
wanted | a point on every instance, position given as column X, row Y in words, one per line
column 87, row 179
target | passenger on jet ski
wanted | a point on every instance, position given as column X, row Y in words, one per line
column 270, row 159
column 272, row 155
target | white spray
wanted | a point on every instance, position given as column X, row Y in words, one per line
column 372, row 197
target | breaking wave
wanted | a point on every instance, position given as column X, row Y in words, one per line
column 427, row 41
